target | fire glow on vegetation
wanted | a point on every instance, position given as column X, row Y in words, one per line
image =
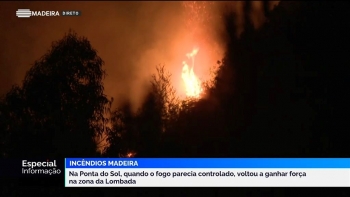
column 130, row 154
column 199, row 23
column 192, row 83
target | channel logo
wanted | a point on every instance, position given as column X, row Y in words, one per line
column 23, row 13
column 26, row 13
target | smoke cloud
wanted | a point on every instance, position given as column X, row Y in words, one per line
column 131, row 37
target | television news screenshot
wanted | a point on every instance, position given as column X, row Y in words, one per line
column 174, row 94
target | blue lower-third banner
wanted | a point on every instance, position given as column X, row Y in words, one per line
column 206, row 172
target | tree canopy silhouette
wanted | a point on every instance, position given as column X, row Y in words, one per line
column 142, row 133
column 59, row 108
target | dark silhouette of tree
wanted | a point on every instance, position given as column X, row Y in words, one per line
column 12, row 120
column 143, row 132
column 279, row 86
column 158, row 114
column 60, row 107
column 121, row 137
column 266, row 8
column 166, row 101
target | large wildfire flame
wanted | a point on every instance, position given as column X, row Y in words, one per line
column 192, row 83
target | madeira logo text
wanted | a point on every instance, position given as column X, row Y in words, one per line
column 26, row 13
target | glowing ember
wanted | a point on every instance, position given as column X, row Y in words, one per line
column 130, row 154
column 192, row 83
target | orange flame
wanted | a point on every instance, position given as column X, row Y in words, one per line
column 130, row 154
column 192, row 83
